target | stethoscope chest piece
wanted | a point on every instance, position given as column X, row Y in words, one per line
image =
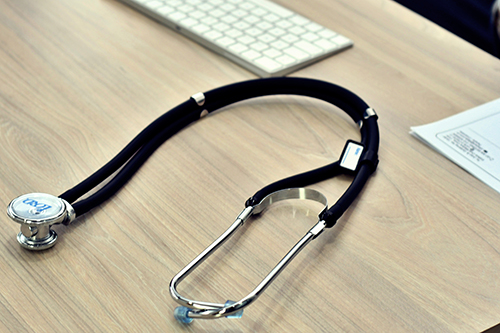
column 37, row 212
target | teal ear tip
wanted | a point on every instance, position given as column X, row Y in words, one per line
column 235, row 315
column 181, row 314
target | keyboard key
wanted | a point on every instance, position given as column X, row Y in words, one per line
column 290, row 38
column 299, row 20
column 308, row 47
column 154, row 4
column 313, row 27
column 209, row 20
column 251, row 54
column 213, row 35
column 185, row 8
column 176, row 16
column 254, row 31
column 200, row 28
column 227, row 7
column 278, row 10
column 272, row 53
column 228, row 19
column 325, row 33
column 233, row 33
column 252, row 19
column 225, row 41
column 285, row 60
column 279, row 44
column 240, row 25
column 206, row 7
column 264, row 25
column 247, row 5
column 271, row 18
column 311, row 37
column 239, row 13
column 259, row 46
column 221, row 26
column 246, row 39
column 268, row 64
column 217, row 13
column 238, row 47
column 197, row 14
column 297, row 30
column 277, row 32
column 296, row 53
column 325, row 45
column 173, row 3
column 341, row 40
column 188, row 22
column 259, row 12
column 165, row 10
column 266, row 38
column 285, row 24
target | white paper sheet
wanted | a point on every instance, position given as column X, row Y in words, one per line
column 471, row 139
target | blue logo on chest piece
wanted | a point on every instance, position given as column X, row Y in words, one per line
column 38, row 206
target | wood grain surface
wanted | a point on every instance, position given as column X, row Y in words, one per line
column 418, row 251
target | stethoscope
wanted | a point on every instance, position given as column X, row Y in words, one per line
column 37, row 212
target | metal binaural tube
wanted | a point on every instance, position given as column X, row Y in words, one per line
column 191, row 309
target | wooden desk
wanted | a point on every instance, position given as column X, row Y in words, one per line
column 419, row 250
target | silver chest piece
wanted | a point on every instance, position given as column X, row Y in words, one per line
column 37, row 212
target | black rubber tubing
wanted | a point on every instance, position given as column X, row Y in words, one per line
column 133, row 156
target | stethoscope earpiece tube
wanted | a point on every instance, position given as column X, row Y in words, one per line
column 162, row 128
column 131, row 167
column 37, row 212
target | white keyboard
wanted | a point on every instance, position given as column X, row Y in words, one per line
column 259, row 35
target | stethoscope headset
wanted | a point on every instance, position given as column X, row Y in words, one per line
column 37, row 212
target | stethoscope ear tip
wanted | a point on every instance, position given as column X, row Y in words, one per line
column 181, row 314
column 235, row 315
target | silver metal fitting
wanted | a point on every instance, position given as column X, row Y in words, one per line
column 369, row 113
column 199, row 98
column 318, row 228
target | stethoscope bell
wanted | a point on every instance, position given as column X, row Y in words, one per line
column 37, row 212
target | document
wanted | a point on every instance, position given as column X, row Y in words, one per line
column 470, row 139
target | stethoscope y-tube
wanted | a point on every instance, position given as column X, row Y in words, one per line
column 37, row 212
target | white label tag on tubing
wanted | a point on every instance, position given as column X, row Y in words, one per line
column 350, row 156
